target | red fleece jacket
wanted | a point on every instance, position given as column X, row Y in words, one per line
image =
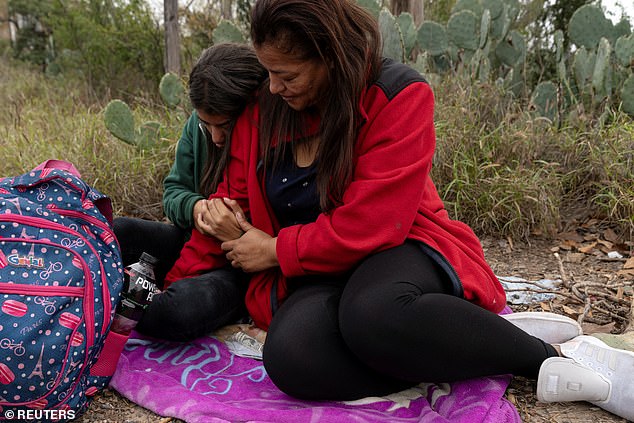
column 391, row 198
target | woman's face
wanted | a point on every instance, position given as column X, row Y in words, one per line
column 301, row 83
column 216, row 125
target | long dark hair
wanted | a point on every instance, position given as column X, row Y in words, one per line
column 222, row 82
column 347, row 39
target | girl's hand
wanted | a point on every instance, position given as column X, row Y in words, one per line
column 252, row 252
column 218, row 220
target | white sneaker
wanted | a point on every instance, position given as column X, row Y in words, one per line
column 549, row 327
column 592, row 372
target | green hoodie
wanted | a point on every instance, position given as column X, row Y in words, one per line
column 182, row 184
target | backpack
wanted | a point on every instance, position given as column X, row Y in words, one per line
column 60, row 281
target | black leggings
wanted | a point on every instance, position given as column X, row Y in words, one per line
column 393, row 324
column 190, row 307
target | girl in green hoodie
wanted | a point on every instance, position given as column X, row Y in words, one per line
column 222, row 82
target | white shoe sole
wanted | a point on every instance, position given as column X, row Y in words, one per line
column 549, row 327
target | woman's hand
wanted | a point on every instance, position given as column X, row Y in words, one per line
column 252, row 252
column 217, row 220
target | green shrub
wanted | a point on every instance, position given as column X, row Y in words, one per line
column 116, row 45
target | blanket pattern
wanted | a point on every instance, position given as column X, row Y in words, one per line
column 201, row 381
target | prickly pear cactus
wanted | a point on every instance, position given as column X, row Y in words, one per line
column 544, row 100
column 432, row 38
column 495, row 7
column 393, row 45
column 148, row 135
column 409, row 31
column 624, row 50
column 500, row 25
column 485, row 24
column 372, row 6
column 600, row 76
column 583, row 66
column 588, row 25
column 172, row 90
column 120, row 121
column 463, row 29
column 227, row 32
column 621, row 29
column 627, row 96
column 470, row 5
column 512, row 49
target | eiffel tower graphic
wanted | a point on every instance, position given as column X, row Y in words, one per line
column 37, row 371
column 16, row 203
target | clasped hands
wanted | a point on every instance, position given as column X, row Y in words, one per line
column 246, row 247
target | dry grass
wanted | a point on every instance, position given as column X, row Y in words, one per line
column 499, row 169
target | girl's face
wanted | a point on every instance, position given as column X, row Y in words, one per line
column 301, row 83
column 216, row 125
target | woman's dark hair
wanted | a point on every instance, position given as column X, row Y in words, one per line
column 345, row 37
column 222, row 82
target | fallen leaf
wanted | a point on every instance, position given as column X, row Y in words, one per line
column 574, row 257
column 589, row 328
column 629, row 264
column 570, row 236
column 628, row 273
column 569, row 311
column 610, row 235
column 586, row 249
column 607, row 244
column 545, row 306
column 590, row 223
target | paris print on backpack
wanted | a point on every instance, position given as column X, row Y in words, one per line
column 60, row 280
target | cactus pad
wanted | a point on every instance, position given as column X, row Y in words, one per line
column 462, row 29
column 624, row 50
column 393, row 45
column 406, row 23
column 544, row 100
column 470, row 5
column 495, row 7
column 227, row 32
column 500, row 25
column 119, row 121
column 485, row 24
column 148, row 135
column 432, row 38
column 583, row 66
column 371, row 6
column 588, row 25
column 627, row 96
column 511, row 50
column 601, row 68
column 171, row 89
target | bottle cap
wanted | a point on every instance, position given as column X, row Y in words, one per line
column 149, row 259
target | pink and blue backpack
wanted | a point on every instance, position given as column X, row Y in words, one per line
column 60, row 281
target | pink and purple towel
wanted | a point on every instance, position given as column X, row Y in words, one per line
column 202, row 381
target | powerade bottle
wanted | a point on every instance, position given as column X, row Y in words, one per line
column 139, row 286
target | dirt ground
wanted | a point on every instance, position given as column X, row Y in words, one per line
column 595, row 289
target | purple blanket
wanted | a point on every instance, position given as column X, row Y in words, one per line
column 202, row 381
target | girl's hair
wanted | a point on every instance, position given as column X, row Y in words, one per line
column 222, row 82
column 347, row 39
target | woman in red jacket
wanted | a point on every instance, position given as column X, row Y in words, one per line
column 364, row 283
